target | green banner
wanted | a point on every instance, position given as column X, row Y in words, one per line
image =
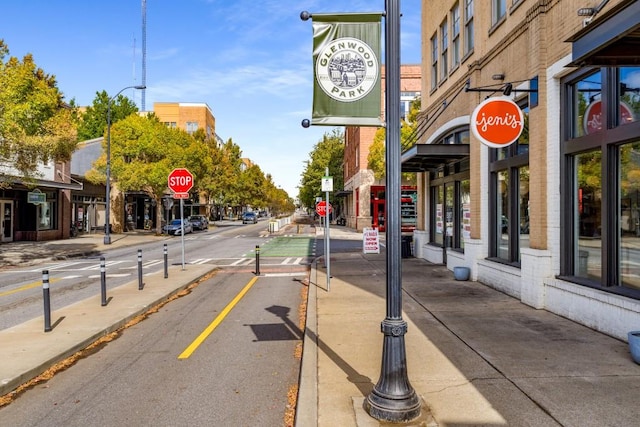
column 346, row 69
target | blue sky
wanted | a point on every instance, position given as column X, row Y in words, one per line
column 249, row 60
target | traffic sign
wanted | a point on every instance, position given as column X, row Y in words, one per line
column 180, row 180
column 180, row 196
column 321, row 208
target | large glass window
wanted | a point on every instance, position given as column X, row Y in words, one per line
column 499, row 9
column 600, row 224
column 450, row 216
column 629, row 213
column 510, row 197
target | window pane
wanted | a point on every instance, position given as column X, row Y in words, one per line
column 629, row 94
column 522, row 143
column 449, row 192
column 586, row 109
column 439, row 218
column 629, row 205
column 465, row 211
column 503, row 215
column 524, row 206
column 589, row 215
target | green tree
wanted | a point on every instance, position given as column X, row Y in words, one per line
column 36, row 126
column 252, row 187
column 328, row 153
column 94, row 120
column 144, row 152
column 377, row 153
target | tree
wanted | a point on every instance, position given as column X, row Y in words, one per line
column 327, row 153
column 252, row 187
column 36, row 126
column 144, row 152
column 376, row 158
column 94, row 120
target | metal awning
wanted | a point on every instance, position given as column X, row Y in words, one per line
column 426, row 157
column 610, row 40
column 343, row 193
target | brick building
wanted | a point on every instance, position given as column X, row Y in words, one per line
column 552, row 219
column 364, row 194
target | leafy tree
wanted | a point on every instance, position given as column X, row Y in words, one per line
column 36, row 126
column 94, row 120
column 327, row 153
column 144, row 152
column 252, row 187
column 376, row 158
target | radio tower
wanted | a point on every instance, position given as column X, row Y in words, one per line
column 144, row 54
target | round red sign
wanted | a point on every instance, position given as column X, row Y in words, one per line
column 180, row 180
column 321, row 208
column 593, row 116
column 497, row 122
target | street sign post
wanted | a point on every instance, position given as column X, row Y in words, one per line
column 321, row 209
column 180, row 181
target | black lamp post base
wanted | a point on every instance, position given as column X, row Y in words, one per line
column 393, row 399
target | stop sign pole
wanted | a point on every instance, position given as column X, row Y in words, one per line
column 327, row 186
column 180, row 181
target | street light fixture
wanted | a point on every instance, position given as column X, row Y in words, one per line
column 107, row 231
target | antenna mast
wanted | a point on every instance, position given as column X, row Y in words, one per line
column 144, row 54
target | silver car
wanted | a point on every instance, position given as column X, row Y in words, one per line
column 175, row 227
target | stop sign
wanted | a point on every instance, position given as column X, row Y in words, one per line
column 321, row 208
column 180, row 180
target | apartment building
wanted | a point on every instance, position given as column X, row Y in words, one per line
column 552, row 219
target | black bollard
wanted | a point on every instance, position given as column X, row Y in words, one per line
column 47, row 300
column 139, row 269
column 257, row 260
column 166, row 262
column 103, row 282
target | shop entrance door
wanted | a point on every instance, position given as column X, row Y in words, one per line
column 6, row 223
column 378, row 214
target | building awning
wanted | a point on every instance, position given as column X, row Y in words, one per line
column 427, row 157
column 42, row 183
column 343, row 193
column 612, row 39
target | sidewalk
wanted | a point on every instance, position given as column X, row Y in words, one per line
column 475, row 356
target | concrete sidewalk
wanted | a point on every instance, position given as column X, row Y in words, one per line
column 475, row 356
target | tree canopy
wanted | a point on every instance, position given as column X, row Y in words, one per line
column 329, row 152
column 36, row 126
column 376, row 158
column 94, row 119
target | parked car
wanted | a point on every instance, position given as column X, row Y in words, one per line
column 175, row 227
column 249, row 217
column 199, row 222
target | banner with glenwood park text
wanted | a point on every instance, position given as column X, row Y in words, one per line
column 346, row 69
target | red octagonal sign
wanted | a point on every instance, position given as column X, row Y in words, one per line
column 180, row 180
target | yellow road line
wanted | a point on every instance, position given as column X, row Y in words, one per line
column 203, row 336
column 27, row 286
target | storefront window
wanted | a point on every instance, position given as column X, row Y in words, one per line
column 438, row 215
column 629, row 95
column 586, row 105
column 510, row 196
column 523, row 204
column 465, row 210
column 589, row 214
column 503, row 215
column 629, row 212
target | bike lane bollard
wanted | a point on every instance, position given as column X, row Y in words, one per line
column 257, row 260
column 103, row 282
column 47, row 300
column 140, row 269
column 166, row 262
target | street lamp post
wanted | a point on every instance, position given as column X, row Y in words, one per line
column 107, row 231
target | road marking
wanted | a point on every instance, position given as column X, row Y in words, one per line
column 203, row 336
column 95, row 276
column 27, row 286
column 238, row 261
